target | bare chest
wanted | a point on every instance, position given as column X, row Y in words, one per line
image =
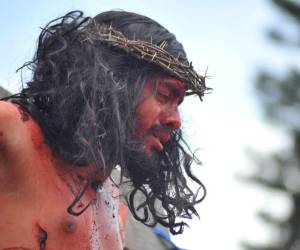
column 36, row 192
column 46, row 224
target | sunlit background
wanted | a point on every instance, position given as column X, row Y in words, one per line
column 230, row 127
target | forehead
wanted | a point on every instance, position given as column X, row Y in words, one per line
column 171, row 83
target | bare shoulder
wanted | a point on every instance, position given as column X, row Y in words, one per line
column 10, row 111
column 15, row 141
column 12, row 126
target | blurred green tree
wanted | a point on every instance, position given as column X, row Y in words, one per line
column 279, row 98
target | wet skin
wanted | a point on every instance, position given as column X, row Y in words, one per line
column 36, row 189
column 157, row 112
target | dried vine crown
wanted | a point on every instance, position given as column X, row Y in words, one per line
column 152, row 53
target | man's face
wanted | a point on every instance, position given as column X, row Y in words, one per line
column 157, row 111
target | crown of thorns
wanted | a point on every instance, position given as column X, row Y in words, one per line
column 152, row 53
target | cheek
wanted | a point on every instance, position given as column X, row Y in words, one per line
column 147, row 115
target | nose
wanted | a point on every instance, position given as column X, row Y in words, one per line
column 172, row 120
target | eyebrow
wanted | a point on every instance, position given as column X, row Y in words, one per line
column 175, row 90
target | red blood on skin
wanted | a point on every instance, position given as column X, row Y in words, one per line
column 36, row 137
column 1, row 140
column 46, row 183
column 16, row 248
column 24, row 115
column 45, row 153
column 41, row 236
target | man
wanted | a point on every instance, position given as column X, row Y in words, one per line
column 104, row 92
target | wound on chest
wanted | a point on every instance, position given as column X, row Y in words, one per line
column 42, row 236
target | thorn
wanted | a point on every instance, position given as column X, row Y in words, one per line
column 206, row 71
column 153, row 56
column 163, row 44
column 109, row 33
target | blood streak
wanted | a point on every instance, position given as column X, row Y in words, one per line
column 42, row 237
column 1, row 138
column 24, row 115
column 16, row 248
column 38, row 142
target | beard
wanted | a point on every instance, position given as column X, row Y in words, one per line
column 146, row 167
column 147, row 184
column 143, row 168
column 158, row 191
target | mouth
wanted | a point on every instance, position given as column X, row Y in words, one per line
column 156, row 141
column 153, row 143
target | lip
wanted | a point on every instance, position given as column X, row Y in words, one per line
column 156, row 140
column 163, row 137
column 152, row 142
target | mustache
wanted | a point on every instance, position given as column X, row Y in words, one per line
column 159, row 128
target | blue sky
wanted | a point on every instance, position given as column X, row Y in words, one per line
column 225, row 36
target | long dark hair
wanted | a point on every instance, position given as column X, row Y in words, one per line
column 84, row 97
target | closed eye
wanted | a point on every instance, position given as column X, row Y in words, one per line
column 163, row 97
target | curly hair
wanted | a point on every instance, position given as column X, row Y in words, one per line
column 84, row 97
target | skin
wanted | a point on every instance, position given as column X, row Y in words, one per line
column 157, row 112
column 36, row 187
